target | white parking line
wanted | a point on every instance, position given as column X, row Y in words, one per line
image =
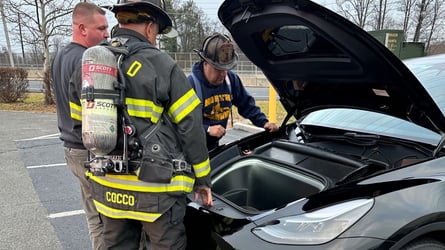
column 65, row 214
column 47, row 165
column 43, row 137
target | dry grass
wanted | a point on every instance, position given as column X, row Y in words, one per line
column 33, row 102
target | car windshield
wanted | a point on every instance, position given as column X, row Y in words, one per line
column 371, row 123
column 430, row 72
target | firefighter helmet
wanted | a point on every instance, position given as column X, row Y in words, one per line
column 138, row 11
column 218, row 50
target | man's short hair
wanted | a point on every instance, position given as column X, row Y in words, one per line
column 85, row 9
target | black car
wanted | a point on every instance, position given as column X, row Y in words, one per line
column 359, row 161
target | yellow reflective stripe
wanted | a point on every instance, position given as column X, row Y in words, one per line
column 179, row 183
column 183, row 106
column 76, row 111
column 125, row 214
column 202, row 169
column 144, row 109
column 134, row 68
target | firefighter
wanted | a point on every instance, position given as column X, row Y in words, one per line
column 219, row 88
column 158, row 98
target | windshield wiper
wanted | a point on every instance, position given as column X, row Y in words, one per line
column 351, row 137
column 361, row 136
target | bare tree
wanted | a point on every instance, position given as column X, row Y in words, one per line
column 407, row 6
column 381, row 12
column 40, row 20
column 355, row 10
column 192, row 25
column 421, row 8
column 437, row 13
column 421, row 20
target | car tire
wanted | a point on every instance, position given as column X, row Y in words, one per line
column 424, row 244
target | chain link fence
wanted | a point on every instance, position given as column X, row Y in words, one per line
column 250, row 74
column 27, row 60
column 184, row 60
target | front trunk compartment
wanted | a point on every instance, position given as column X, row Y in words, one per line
column 255, row 184
column 250, row 184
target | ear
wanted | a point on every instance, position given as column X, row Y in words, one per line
column 149, row 29
column 151, row 32
column 82, row 29
column 205, row 64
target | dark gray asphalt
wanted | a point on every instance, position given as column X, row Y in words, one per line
column 40, row 199
column 25, row 223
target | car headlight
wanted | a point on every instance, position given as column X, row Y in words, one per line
column 316, row 227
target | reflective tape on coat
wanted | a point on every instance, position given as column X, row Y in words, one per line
column 125, row 197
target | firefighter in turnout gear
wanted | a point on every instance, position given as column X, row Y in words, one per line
column 168, row 157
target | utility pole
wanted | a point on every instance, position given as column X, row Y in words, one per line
column 21, row 37
column 5, row 30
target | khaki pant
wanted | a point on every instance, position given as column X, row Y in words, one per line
column 75, row 159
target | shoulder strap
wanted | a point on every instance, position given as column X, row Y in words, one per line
column 197, row 86
column 229, row 86
column 121, row 46
column 122, row 49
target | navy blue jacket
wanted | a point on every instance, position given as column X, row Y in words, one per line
column 217, row 102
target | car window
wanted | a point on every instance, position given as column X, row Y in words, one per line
column 370, row 122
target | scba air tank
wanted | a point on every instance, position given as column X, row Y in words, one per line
column 99, row 112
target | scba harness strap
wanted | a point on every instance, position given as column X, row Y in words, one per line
column 120, row 49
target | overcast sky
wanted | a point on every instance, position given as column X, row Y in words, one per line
column 210, row 8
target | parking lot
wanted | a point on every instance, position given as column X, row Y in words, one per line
column 41, row 206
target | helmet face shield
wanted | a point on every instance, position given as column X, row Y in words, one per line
column 219, row 51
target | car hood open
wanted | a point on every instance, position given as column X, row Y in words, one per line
column 316, row 59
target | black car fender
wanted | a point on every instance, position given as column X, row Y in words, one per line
column 433, row 230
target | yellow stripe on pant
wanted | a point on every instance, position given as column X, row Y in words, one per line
column 123, row 214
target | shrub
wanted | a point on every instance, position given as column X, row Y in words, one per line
column 13, row 84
